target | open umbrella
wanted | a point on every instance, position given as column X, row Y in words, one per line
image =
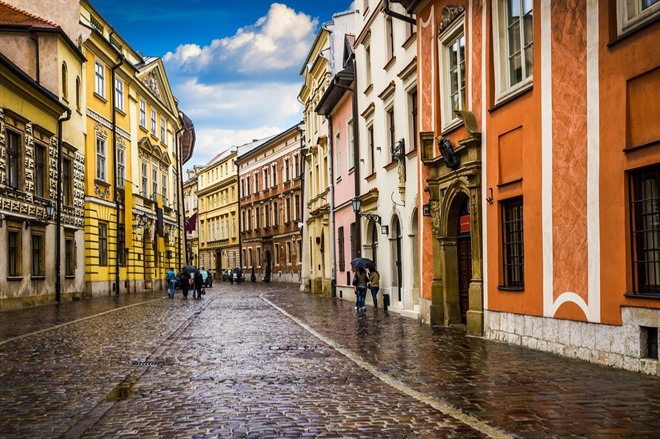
column 363, row 263
column 190, row 269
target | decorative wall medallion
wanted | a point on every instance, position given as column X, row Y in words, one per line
column 151, row 81
column 449, row 14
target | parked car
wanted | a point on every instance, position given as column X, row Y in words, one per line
column 237, row 275
column 226, row 275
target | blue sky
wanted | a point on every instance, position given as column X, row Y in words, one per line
column 233, row 65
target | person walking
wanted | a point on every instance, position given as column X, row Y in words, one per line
column 171, row 282
column 374, row 285
column 185, row 283
column 361, row 280
column 198, row 285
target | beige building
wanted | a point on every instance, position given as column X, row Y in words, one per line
column 217, row 194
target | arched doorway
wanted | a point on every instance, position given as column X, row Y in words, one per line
column 464, row 258
column 398, row 258
column 268, row 263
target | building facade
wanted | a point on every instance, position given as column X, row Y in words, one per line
column 191, row 214
column 41, row 161
column 387, row 101
column 270, row 207
column 217, row 193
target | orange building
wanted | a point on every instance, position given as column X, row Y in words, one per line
column 552, row 161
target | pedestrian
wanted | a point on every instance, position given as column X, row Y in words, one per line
column 360, row 283
column 374, row 285
column 185, row 283
column 205, row 274
column 171, row 282
column 198, row 285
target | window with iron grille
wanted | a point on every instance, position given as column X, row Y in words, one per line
column 40, row 170
column 13, row 158
column 513, row 248
column 103, row 244
column 644, row 188
column 14, row 252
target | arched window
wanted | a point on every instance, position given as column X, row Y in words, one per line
column 65, row 81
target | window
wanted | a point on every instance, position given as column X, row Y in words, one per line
column 296, row 170
column 38, row 253
column 40, row 170
column 119, row 95
column 162, row 130
column 77, row 93
column 121, row 245
column 100, row 159
column 390, row 131
column 266, row 186
column 287, row 175
column 289, row 259
column 99, row 82
column 67, row 182
column 412, row 100
column 154, row 182
column 13, row 158
column 276, row 214
column 65, row 82
column 69, row 256
column 14, row 252
column 153, row 122
column 452, row 56
column 121, row 167
column 512, row 240
column 256, row 182
column 164, row 188
column 367, row 64
column 644, row 188
column 103, row 244
column 287, row 210
column 355, row 251
column 514, row 45
column 143, row 114
column 257, row 218
column 145, row 180
column 351, row 145
column 338, row 158
column 267, row 215
column 389, row 29
column 273, row 172
column 296, row 212
column 635, row 13
column 340, row 244
column 370, row 142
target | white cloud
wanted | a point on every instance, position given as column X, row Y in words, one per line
column 276, row 41
column 211, row 141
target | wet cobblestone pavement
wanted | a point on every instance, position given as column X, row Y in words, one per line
column 257, row 360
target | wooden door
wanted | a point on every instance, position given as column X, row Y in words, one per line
column 464, row 275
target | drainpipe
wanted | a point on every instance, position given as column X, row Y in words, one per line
column 356, row 154
column 179, row 189
column 333, row 272
column 58, row 208
column 36, row 57
column 391, row 13
column 114, row 161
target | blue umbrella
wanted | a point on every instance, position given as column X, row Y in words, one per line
column 365, row 263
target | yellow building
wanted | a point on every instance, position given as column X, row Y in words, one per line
column 217, row 193
column 316, row 264
column 41, row 199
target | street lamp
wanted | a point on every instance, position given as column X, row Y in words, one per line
column 357, row 204
column 50, row 210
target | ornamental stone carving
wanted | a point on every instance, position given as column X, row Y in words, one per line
column 449, row 14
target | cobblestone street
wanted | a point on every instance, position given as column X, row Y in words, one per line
column 263, row 360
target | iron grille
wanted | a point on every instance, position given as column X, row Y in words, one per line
column 514, row 256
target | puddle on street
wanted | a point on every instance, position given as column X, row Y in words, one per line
column 120, row 393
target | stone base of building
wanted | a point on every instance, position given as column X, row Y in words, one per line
column 13, row 303
column 622, row 347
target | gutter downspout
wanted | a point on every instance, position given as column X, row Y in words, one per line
column 391, row 13
column 333, row 272
column 58, row 203
column 356, row 154
column 179, row 189
column 114, row 161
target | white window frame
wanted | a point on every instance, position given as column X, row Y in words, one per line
column 153, row 122
column 162, row 130
column 121, row 166
column 154, row 181
column 450, row 36
column 628, row 21
column 501, row 64
column 338, row 155
column 99, row 79
column 119, row 94
column 350, row 144
column 143, row 114
column 164, row 188
column 100, row 159
column 145, row 181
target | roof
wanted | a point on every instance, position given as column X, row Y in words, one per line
column 11, row 15
column 247, row 148
column 221, row 156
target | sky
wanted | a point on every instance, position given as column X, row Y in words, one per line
column 233, row 66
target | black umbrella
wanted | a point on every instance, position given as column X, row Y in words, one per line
column 363, row 263
column 190, row 269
